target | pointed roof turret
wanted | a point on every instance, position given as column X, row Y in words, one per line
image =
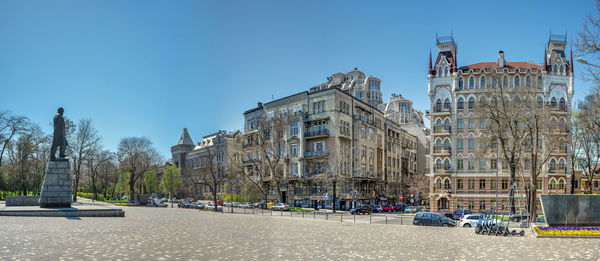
column 430, row 67
column 571, row 62
column 545, row 59
column 185, row 138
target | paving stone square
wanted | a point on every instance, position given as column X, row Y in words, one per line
column 189, row 234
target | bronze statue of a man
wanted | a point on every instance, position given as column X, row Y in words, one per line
column 59, row 139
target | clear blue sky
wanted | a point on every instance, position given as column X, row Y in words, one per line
column 150, row 68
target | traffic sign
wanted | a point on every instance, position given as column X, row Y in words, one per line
column 325, row 196
column 400, row 197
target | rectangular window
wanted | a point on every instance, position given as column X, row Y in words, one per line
column 481, row 124
column 481, row 184
column 527, row 164
column 471, row 204
column 294, row 129
column 459, row 164
column 294, row 149
column 481, row 204
column 298, row 108
column 494, row 184
column 459, row 124
column 493, row 164
column 504, row 164
column 504, row 184
column 471, row 124
column 471, row 144
column 471, row 164
column 471, row 184
column 318, row 106
column 538, row 184
column 482, row 164
column 270, row 115
column 459, row 184
column 294, row 169
column 459, row 144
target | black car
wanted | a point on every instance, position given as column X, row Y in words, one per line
column 399, row 207
column 432, row 219
column 361, row 210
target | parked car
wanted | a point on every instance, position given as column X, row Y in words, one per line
column 199, row 205
column 376, row 208
column 228, row 204
column 459, row 213
column 469, row 220
column 280, row 206
column 235, row 204
column 432, row 219
column 361, row 210
column 246, row 205
column 520, row 216
column 387, row 208
column 446, row 213
column 156, row 203
column 410, row 209
column 399, row 207
column 183, row 204
column 211, row 206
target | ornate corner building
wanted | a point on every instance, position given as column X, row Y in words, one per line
column 460, row 177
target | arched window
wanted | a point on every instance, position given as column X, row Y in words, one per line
column 440, row 71
column 561, row 183
column 461, row 83
column 517, row 81
column 552, row 166
column 539, row 82
column 446, row 71
column 461, row 103
column 447, row 124
column 561, row 164
column 540, row 101
column 528, row 81
column 562, row 68
column 562, row 125
column 447, row 183
column 553, row 102
column 471, row 103
column 552, row 183
column 438, row 124
column 471, row 83
column 562, row 104
column 438, row 145
column 447, row 144
column 446, row 164
column 505, row 81
column 447, row 104
column 438, row 183
column 438, row 105
column 482, row 82
column 438, row 164
column 555, row 68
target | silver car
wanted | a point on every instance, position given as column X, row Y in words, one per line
column 469, row 220
column 281, row 206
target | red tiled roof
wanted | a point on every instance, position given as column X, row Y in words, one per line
column 597, row 168
column 487, row 65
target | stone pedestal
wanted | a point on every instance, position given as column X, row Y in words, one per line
column 57, row 189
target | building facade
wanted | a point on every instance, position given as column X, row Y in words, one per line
column 460, row 176
column 218, row 148
column 326, row 136
column 355, row 82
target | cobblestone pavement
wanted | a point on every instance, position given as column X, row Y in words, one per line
column 188, row 234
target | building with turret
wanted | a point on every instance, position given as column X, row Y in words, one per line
column 461, row 176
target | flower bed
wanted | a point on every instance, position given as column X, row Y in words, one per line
column 569, row 231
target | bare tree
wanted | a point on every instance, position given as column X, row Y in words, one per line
column 97, row 162
column 10, row 127
column 86, row 142
column 137, row 155
column 586, row 135
column 588, row 44
column 211, row 171
column 504, row 116
column 171, row 180
column 23, row 157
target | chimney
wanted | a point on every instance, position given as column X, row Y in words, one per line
column 501, row 62
column 259, row 104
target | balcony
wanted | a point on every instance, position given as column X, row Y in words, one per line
column 442, row 152
column 442, row 171
column 442, row 131
column 439, row 112
column 312, row 154
column 316, row 133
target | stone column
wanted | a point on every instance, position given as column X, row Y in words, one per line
column 57, row 188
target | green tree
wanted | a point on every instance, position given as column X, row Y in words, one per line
column 151, row 181
column 122, row 186
column 171, row 180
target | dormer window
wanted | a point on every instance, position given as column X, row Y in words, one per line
column 446, row 72
column 555, row 68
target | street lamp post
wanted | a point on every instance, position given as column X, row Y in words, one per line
column 584, row 61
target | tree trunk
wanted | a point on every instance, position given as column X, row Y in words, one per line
column 334, row 197
column 511, row 193
column 131, row 188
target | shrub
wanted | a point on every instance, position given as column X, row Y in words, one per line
column 568, row 231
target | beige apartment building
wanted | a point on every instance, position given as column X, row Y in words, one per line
column 327, row 134
column 462, row 178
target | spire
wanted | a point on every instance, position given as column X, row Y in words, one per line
column 571, row 62
column 545, row 58
column 185, row 138
column 430, row 67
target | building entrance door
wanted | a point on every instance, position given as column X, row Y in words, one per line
column 443, row 203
